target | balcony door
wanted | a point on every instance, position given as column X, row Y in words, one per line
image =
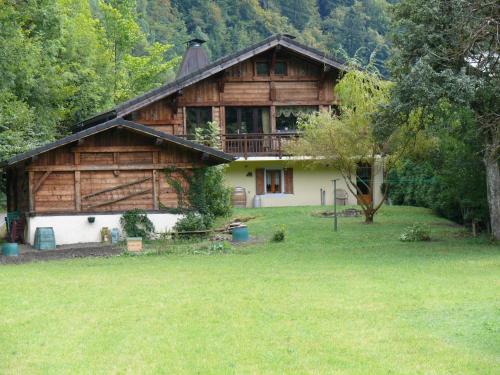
column 247, row 120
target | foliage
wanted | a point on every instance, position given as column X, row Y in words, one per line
column 135, row 223
column 280, row 233
column 346, row 140
column 209, row 135
column 192, row 221
column 446, row 53
column 65, row 60
column 415, row 232
column 207, row 194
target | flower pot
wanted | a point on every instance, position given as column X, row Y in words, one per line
column 10, row 249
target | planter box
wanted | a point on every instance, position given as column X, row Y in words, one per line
column 134, row 244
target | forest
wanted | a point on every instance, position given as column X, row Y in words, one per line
column 63, row 60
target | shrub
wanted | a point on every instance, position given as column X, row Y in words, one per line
column 416, row 232
column 279, row 234
column 191, row 222
column 135, row 223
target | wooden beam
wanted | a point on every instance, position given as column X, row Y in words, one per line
column 115, row 187
column 31, row 179
column 40, row 182
column 112, row 149
column 273, row 119
column 119, row 199
column 78, row 197
column 155, row 190
column 184, row 120
column 113, row 167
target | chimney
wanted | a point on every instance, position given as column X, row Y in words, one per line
column 194, row 58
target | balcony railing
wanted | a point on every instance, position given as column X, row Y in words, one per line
column 256, row 144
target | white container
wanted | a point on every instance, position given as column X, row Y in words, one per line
column 257, row 201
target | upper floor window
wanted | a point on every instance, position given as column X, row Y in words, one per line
column 287, row 117
column 240, row 120
column 197, row 117
column 281, row 68
column 262, row 68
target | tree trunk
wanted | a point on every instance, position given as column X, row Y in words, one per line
column 369, row 213
column 493, row 193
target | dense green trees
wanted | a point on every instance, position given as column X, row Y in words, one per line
column 62, row 61
column 446, row 69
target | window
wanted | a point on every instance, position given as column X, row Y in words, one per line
column 286, row 117
column 197, row 117
column 281, row 68
column 274, row 181
column 363, row 178
column 262, row 68
column 241, row 120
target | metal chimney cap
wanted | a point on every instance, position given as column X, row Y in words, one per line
column 195, row 42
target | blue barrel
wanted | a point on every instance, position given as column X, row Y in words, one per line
column 115, row 236
column 44, row 238
column 10, row 249
column 240, row 234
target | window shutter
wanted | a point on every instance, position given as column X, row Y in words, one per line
column 259, row 181
column 288, row 172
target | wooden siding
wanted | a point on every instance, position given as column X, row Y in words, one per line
column 306, row 83
column 113, row 171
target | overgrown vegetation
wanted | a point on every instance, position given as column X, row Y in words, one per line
column 279, row 233
column 415, row 232
column 135, row 223
column 207, row 195
column 446, row 69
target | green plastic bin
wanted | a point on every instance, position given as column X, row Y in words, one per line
column 44, row 238
column 240, row 234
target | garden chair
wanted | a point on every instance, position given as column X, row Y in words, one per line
column 341, row 196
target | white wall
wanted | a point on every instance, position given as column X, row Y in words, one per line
column 71, row 229
column 306, row 183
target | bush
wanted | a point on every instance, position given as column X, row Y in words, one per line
column 416, row 232
column 279, row 234
column 135, row 223
column 191, row 222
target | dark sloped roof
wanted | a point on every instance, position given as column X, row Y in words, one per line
column 219, row 156
column 222, row 64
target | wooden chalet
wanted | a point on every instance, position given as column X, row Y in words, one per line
column 114, row 161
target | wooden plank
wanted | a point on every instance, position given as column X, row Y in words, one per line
column 72, row 168
column 78, row 199
column 112, row 149
column 40, row 182
column 273, row 119
column 31, row 176
column 116, row 187
column 119, row 199
column 155, row 190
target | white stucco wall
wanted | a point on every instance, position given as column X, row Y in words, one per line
column 71, row 229
column 306, row 183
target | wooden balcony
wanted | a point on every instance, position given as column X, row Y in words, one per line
column 255, row 144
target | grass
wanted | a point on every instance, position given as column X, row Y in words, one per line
column 354, row 302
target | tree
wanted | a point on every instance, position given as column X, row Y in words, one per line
column 447, row 52
column 346, row 140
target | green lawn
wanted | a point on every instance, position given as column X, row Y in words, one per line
column 354, row 302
